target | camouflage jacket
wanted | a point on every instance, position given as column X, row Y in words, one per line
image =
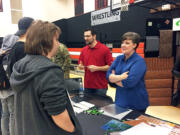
column 63, row 59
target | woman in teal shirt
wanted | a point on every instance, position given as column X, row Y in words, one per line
column 127, row 74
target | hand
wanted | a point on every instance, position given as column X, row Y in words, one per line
column 92, row 68
column 3, row 51
column 113, row 77
column 116, row 78
column 124, row 75
column 81, row 67
column 119, row 84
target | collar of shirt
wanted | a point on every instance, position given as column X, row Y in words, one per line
column 129, row 57
column 96, row 46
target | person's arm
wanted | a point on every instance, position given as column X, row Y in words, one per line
column 111, row 76
column 16, row 53
column 67, row 59
column 19, row 51
column 110, row 71
column 81, row 66
column 119, row 84
column 136, row 73
column 63, row 121
column 113, row 79
column 3, row 52
column 11, row 60
column 108, row 62
column 80, row 61
column 53, row 98
column 64, row 55
column 117, row 78
column 94, row 68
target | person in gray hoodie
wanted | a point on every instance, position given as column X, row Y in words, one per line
column 6, row 96
column 9, row 41
column 16, row 53
column 42, row 104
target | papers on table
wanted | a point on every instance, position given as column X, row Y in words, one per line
column 115, row 111
column 87, row 104
column 144, row 129
column 81, row 106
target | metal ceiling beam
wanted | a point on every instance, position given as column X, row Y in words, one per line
column 147, row 7
column 147, row 4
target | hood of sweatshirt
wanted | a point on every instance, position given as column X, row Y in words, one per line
column 27, row 68
column 9, row 41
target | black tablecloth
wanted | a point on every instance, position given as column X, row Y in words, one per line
column 91, row 124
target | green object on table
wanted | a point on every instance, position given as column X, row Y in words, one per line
column 94, row 111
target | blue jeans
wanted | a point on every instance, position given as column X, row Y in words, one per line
column 100, row 92
column 7, row 119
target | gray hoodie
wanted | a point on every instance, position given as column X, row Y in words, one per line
column 8, row 42
column 39, row 93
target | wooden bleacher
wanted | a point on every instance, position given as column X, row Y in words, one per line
column 159, row 80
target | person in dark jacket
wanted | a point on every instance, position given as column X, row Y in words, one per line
column 6, row 94
column 176, row 73
column 17, row 51
column 4, row 84
column 42, row 104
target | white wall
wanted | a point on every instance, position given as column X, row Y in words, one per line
column 50, row 10
column 70, row 7
column 109, row 3
column 6, row 26
column 47, row 10
column 89, row 5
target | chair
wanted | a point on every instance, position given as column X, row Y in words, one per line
column 73, row 85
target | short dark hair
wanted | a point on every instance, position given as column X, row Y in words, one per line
column 93, row 31
column 39, row 40
column 135, row 37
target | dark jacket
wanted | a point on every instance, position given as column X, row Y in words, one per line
column 39, row 93
column 16, row 53
column 176, row 68
column 2, row 71
column 8, row 42
column 4, row 81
